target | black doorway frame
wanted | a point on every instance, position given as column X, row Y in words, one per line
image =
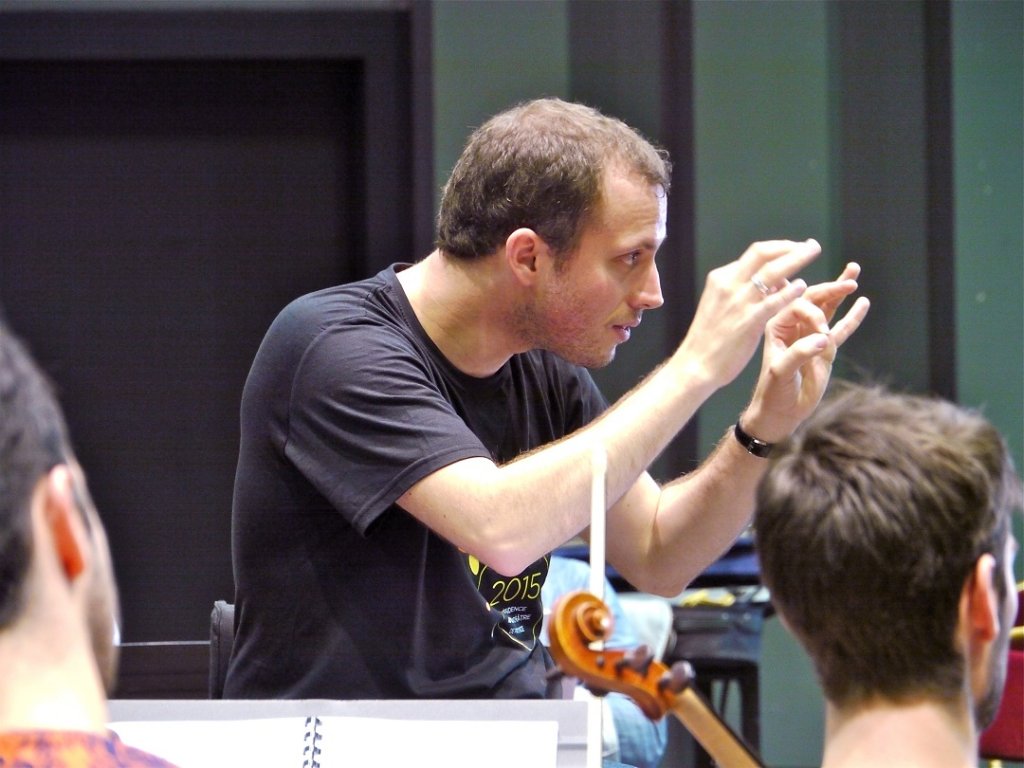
column 388, row 42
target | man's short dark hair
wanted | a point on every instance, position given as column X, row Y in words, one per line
column 33, row 439
column 538, row 165
column 868, row 523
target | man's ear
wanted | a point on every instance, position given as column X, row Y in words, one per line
column 64, row 521
column 523, row 248
column 979, row 605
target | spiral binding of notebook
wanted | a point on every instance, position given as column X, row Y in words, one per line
column 311, row 743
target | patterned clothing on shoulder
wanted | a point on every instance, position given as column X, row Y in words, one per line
column 72, row 749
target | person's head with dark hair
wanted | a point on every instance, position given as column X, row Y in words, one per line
column 539, row 165
column 883, row 533
column 548, row 232
column 58, row 600
column 45, row 509
column 33, row 439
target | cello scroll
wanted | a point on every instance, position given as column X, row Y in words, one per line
column 581, row 622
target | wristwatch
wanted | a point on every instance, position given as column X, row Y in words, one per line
column 759, row 448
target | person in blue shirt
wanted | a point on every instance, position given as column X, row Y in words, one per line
column 628, row 735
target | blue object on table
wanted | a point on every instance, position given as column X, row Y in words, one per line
column 736, row 568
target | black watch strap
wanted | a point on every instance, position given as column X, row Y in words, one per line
column 759, row 448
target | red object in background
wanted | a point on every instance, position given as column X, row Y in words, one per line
column 1004, row 738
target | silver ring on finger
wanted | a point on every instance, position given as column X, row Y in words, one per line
column 760, row 285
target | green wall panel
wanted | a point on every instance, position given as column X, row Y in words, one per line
column 761, row 89
column 988, row 51
column 488, row 55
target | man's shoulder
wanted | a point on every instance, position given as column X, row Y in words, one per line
column 341, row 301
column 368, row 303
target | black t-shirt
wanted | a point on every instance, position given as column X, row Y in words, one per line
column 339, row 592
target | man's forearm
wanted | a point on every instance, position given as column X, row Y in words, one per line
column 698, row 517
column 509, row 516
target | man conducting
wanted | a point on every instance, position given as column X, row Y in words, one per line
column 414, row 445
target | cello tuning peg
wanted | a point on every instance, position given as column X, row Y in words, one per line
column 638, row 659
column 679, row 677
column 642, row 652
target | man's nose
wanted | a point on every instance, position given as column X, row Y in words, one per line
column 649, row 295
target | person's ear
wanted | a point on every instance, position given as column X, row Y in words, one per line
column 64, row 521
column 523, row 249
column 983, row 599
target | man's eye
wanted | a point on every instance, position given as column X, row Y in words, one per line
column 632, row 258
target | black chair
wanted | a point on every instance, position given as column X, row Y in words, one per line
column 723, row 645
column 222, row 636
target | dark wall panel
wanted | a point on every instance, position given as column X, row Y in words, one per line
column 156, row 216
column 169, row 179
